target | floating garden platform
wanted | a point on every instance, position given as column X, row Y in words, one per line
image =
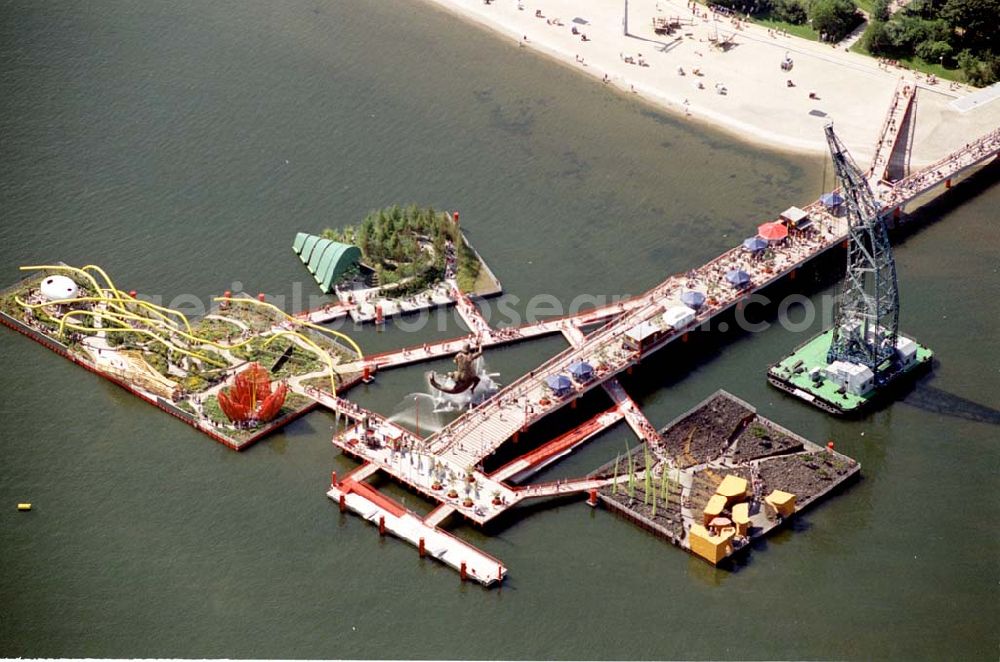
column 178, row 365
column 397, row 260
column 721, row 476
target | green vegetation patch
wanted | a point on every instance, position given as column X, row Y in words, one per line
column 409, row 248
column 210, row 406
column 817, row 20
column 954, row 39
column 217, row 330
column 299, row 361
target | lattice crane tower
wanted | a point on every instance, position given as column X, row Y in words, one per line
column 866, row 322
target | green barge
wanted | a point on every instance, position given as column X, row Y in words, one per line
column 840, row 388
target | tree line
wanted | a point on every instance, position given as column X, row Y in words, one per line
column 952, row 33
column 833, row 19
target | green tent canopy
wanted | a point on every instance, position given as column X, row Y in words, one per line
column 326, row 260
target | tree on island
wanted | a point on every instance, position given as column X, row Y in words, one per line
column 410, row 248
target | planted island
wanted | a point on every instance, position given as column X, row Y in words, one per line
column 408, row 250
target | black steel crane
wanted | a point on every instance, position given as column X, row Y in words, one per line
column 866, row 322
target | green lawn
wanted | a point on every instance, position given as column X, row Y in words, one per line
column 211, row 407
column 804, row 31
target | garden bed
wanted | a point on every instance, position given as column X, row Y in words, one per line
column 805, row 475
column 760, row 439
column 666, row 515
column 704, row 436
column 705, row 432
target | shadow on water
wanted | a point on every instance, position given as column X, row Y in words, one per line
column 964, row 191
column 938, row 401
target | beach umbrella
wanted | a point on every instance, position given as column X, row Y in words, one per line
column 773, row 231
column 581, row 371
column 558, row 383
column 831, row 199
column 693, row 298
column 754, row 244
column 738, row 278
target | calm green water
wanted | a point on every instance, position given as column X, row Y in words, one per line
column 182, row 144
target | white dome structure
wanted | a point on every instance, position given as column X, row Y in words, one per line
column 59, row 287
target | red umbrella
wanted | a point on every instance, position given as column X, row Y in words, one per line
column 773, row 231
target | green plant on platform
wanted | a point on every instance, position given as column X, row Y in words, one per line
column 646, row 475
column 665, row 487
column 195, row 383
column 631, row 474
column 654, row 500
column 614, row 477
column 210, row 406
column 468, row 267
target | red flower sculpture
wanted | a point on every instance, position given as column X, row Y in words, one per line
column 250, row 397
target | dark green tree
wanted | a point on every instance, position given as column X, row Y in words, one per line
column 937, row 52
column 880, row 10
column 790, row 11
column 975, row 21
column 876, row 39
column 834, row 18
column 980, row 70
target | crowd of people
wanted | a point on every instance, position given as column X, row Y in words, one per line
column 900, row 102
column 972, row 153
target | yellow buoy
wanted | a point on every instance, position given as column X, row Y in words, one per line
column 24, row 506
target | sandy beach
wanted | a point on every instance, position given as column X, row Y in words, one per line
column 686, row 73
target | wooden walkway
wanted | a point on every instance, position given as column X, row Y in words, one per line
column 567, row 487
column 943, row 171
column 390, row 517
column 325, row 314
column 452, row 457
column 496, row 337
column 470, row 314
column 476, row 434
column 438, row 515
column 643, row 429
column 574, row 335
column 551, row 451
